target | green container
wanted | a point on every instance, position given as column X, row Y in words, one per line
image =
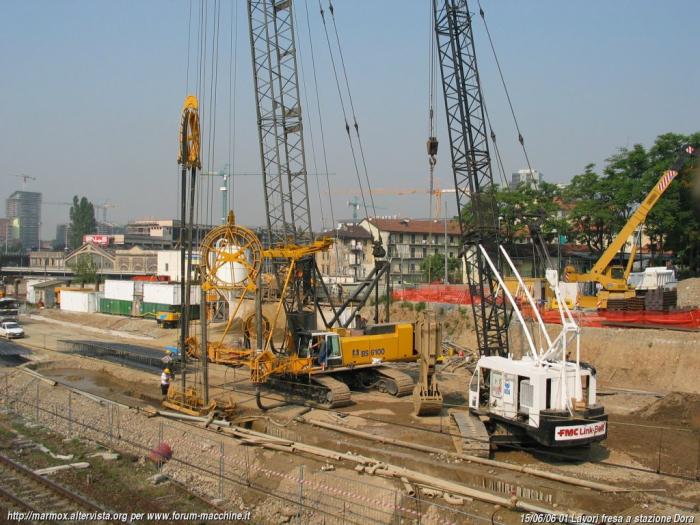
column 124, row 307
column 115, row 307
column 151, row 309
column 105, row 306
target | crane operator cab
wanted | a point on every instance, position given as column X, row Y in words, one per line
column 322, row 347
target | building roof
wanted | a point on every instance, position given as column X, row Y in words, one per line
column 49, row 284
column 435, row 226
column 348, row 231
column 90, row 248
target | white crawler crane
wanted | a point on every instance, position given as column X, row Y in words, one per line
column 545, row 396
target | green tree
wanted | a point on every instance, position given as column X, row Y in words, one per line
column 674, row 223
column 592, row 213
column 82, row 220
column 602, row 204
column 433, row 268
column 85, row 270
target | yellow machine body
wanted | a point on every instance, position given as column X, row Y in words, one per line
column 388, row 342
column 168, row 318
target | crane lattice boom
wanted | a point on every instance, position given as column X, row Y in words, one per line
column 471, row 166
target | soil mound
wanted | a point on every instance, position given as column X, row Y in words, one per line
column 674, row 409
column 689, row 292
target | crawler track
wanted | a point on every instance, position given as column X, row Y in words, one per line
column 24, row 491
column 394, row 382
column 337, row 393
column 324, row 390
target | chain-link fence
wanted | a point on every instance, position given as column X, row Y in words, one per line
column 220, row 467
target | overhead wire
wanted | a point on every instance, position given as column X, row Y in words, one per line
column 352, row 106
column 521, row 140
column 432, row 85
column 319, row 113
column 178, row 192
column 213, row 92
column 309, row 127
column 492, row 134
column 189, row 40
column 345, row 115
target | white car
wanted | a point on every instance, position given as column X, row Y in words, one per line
column 11, row 330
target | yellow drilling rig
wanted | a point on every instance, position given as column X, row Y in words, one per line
column 318, row 364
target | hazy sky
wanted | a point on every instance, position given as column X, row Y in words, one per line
column 91, row 91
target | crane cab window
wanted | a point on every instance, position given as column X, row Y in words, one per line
column 333, row 348
column 496, row 384
column 617, row 272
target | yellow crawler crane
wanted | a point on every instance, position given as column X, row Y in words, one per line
column 612, row 278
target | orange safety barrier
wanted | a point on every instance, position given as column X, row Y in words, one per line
column 435, row 293
column 601, row 318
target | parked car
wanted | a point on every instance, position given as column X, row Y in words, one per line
column 11, row 330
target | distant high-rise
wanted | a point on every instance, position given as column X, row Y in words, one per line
column 4, row 231
column 530, row 177
column 23, row 209
column 63, row 232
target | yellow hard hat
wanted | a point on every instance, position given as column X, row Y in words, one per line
column 167, row 370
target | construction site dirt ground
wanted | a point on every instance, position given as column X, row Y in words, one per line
column 637, row 405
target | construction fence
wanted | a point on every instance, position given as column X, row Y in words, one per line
column 434, row 293
column 459, row 295
column 224, row 469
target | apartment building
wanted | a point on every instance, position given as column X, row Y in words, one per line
column 410, row 241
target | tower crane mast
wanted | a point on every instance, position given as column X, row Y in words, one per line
column 471, row 167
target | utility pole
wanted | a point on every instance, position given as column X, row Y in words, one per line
column 447, row 280
column 224, row 188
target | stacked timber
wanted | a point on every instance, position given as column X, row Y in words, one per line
column 617, row 304
column 661, row 300
column 635, row 304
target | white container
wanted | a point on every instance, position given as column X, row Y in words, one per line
column 122, row 290
column 657, row 277
column 80, row 301
column 167, row 293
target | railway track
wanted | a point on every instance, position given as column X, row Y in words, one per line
column 24, row 491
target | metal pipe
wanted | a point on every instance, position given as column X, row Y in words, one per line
column 183, row 325
column 386, row 469
column 474, row 459
column 204, row 348
column 513, row 303
column 530, row 299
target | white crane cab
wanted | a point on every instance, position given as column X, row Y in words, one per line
column 552, row 403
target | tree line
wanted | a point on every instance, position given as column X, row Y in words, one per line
column 594, row 207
